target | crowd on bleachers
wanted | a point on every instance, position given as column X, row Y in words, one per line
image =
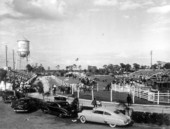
column 149, row 73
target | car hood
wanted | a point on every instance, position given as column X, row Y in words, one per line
column 86, row 111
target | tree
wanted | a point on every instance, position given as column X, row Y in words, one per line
column 110, row 68
column 58, row 67
column 143, row 66
column 105, row 68
column 79, row 67
column 127, row 67
column 136, row 66
column 85, row 71
column 122, row 65
column 71, row 67
column 29, row 67
column 154, row 66
column 38, row 69
column 167, row 66
column 74, row 66
column 3, row 75
column 67, row 68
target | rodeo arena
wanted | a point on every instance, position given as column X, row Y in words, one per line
column 142, row 96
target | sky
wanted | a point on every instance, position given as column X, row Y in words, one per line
column 98, row 32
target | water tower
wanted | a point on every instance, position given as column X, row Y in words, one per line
column 23, row 51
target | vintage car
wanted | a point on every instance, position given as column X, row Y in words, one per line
column 25, row 105
column 103, row 115
column 59, row 98
column 8, row 96
column 58, row 108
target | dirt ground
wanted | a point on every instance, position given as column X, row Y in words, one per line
column 37, row 120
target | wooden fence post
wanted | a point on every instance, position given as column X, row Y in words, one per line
column 133, row 95
column 111, row 92
column 78, row 91
column 158, row 97
column 97, row 87
column 72, row 89
column 138, row 92
column 92, row 93
column 168, row 96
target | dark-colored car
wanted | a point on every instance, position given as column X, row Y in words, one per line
column 59, row 98
column 25, row 105
column 58, row 108
column 8, row 96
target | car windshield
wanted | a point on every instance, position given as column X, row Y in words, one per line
column 117, row 112
column 64, row 104
column 22, row 101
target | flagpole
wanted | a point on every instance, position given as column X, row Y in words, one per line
column 76, row 61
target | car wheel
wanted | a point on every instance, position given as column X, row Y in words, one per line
column 45, row 110
column 60, row 115
column 112, row 125
column 83, row 119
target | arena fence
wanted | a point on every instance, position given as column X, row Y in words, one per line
column 143, row 92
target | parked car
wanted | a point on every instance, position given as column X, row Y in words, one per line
column 58, row 98
column 25, row 105
column 59, row 108
column 8, row 96
column 103, row 115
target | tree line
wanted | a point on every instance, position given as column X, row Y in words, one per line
column 106, row 69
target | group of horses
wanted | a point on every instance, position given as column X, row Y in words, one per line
column 85, row 85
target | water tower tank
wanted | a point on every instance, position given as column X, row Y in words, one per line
column 23, row 48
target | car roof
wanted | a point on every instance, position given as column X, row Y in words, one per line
column 102, row 109
column 57, row 101
column 25, row 98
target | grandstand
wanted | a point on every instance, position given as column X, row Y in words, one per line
column 157, row 78
column 149, row 73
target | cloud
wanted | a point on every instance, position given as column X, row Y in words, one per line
column 40, row 9
column 105, row 2
column 129, row 5
column 122, row 5
column 160, row 9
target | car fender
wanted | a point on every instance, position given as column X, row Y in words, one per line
column 85, row 113
column 115, row 121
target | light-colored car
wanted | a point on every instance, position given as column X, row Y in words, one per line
column 103, row 115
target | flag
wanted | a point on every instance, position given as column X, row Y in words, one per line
column 77, row 59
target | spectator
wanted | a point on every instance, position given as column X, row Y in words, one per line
column 129, row 100
column 75, row 107
column 94, row 103
column 54, row 89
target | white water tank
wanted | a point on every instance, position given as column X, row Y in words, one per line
column 23, row 48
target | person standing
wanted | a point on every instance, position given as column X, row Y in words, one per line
column 129, row 100
column 94, row 103
column 75, row 107
column 54, row 89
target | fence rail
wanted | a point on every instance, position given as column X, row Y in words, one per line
column 143, row 93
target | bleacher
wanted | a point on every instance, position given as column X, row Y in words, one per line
column 149, row 73
column 22, row 74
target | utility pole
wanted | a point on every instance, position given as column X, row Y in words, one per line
column 151, row 58
column 6, row 57
column 13, row 55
